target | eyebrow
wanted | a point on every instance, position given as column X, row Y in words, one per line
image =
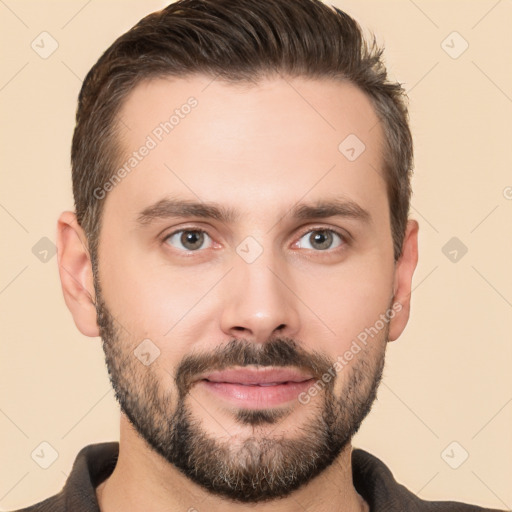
column 168, row 208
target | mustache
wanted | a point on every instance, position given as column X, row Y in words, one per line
column 278, row 352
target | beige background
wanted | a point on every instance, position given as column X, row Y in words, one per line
column 447, row 378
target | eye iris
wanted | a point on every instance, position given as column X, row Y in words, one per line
column 192, row 239
column 323, row 238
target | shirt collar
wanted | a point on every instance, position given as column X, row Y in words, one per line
column 372, row 480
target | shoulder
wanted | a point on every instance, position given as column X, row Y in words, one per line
column 375, row 483
column 93, row 464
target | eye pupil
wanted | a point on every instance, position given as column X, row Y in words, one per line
column 323, row 238
column 192, row 239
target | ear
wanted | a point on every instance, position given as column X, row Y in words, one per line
column 75, row 270
column 404, row 270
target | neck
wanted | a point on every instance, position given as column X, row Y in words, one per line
column 143, row 481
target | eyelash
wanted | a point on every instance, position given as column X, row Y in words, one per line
column 345, row 240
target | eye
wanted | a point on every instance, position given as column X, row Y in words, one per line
column 190, row 239
column 320, row 239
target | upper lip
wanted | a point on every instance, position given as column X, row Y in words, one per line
column 265, row 375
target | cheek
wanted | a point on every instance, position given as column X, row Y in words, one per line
column 347, row 300
column 154, row 304
column 143, row 295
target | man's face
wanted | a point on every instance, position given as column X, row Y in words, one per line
column 247, row 312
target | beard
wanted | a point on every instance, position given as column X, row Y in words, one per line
column 260, row 466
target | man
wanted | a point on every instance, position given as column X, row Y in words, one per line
column 241, row 243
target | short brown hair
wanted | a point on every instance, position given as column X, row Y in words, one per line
column 236, row 41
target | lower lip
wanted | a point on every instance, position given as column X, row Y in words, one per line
column 257, row 397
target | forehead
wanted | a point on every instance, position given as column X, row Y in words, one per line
column 251, row 145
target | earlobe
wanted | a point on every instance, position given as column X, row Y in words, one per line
column 75, row 272
column 404, row 270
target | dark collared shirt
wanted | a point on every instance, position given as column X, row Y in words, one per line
column 372, row 480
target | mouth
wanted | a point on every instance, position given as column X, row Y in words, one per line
column 256, row 388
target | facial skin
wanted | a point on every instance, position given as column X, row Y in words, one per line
column 209, row 304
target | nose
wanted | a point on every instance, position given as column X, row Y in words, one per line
column 258, row 300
